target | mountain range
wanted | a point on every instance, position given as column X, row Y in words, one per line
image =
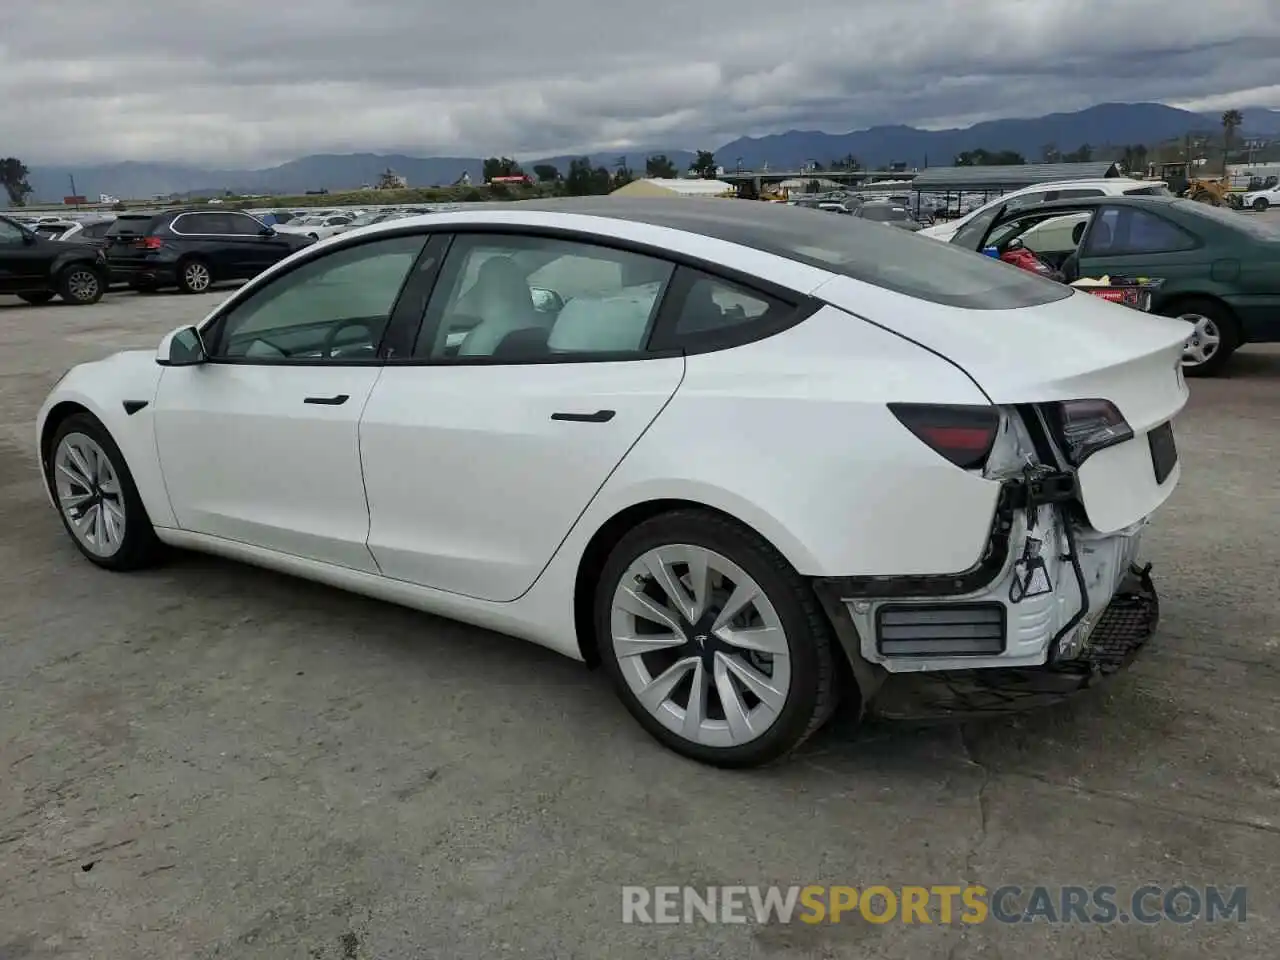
column 1104, row 124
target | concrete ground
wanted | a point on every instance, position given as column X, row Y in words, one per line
column 209, row 760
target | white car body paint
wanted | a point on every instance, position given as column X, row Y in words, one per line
column 1271, row 196
column 229, row 459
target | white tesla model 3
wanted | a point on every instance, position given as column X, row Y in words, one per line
column 750, row 458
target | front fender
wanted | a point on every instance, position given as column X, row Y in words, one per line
column 102, row 387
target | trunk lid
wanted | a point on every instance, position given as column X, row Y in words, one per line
column 1077, row 348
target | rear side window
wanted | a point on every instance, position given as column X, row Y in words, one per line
column 1156, row 191
column 1074, row 194
column 713, row 313
column 96, row 231
column 130, row 226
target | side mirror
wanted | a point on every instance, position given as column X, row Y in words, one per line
column 267, row 232
column 546, row 301
column 29, row 239
column 1015, row 244
column 182, row 348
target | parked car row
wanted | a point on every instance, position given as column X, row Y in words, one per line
column 190, row 249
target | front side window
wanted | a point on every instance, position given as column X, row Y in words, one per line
column 522, row 298
column 334, row 307
column 241, row 225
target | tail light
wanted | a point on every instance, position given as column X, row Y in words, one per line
column 963, row 434
column 148, row 243
column 1086, row 426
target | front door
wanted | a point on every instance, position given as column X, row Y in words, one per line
column 1131, row 242
column 481, row 455
column 23, row 259
column 261, row 444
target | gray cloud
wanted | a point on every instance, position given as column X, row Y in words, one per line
column 246, row 81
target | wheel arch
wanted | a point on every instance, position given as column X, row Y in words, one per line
column 1176, row 300
column 56, row 416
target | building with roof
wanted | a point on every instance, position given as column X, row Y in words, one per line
column 1011, row 177
column 656, row 187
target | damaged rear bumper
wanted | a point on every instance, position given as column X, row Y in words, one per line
column 1120, row 633
column 1050, row 607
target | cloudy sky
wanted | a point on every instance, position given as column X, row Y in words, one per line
column 248, row 82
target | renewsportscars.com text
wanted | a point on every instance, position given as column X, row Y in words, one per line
column 939, row 903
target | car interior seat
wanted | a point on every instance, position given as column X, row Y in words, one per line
column 502, row 301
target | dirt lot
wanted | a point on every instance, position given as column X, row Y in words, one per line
column 209, row 760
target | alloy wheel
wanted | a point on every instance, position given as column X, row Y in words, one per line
column 700, row 645
column 196, row 275
column 89, row 494
column 83, row 285
column 1205, row 340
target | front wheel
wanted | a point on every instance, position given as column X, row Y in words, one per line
column 714, row 643
column 81, row 284
column 1260, row 205
column 96, row 496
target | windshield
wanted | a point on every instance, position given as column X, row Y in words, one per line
column 884, row 214
column 1253, row 225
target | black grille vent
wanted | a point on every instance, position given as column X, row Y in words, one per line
column 941, row 629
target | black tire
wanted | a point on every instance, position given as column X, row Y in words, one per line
column 81, row 284
column 194, row 275
column 1223, row 319
column 37, row 299
column 812, row 697
column 140, row 547
column 1260, row 205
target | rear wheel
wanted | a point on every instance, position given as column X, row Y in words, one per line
column 36, row 299
column 81, row 284
column 97, row 498
column 194, row 276
column 1214, row 337
column 714, row 643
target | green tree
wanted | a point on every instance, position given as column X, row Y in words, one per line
column 659, row 167
column 547, row 172
column 622, row 174
column 13, row 176
column 1050, row 153
column 501, row 167
column 988, row 158
column 601, row 181
column 1081, row 154
column 1232, row 120
column 578, row 182
column 704, row 165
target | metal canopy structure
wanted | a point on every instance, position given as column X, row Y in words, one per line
column 1012, row 177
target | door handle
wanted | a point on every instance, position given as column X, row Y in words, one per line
column 335, row 401
column 600, row 416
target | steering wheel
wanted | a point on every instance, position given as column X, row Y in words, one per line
column 331, row 338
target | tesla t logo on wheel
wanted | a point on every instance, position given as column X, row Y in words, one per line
column 701, row 639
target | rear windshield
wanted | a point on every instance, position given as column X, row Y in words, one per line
column 1259, row 227
column 896, row 260
column 123, row 226
column 884, row 213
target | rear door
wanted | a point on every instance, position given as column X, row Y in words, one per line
column 484, row 446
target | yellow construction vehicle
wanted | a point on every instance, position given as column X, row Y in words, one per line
column 1185, row 183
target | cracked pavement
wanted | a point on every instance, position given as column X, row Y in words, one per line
column 207, row 760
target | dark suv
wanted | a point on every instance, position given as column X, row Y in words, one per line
column 193, row 249
column 37, row 269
